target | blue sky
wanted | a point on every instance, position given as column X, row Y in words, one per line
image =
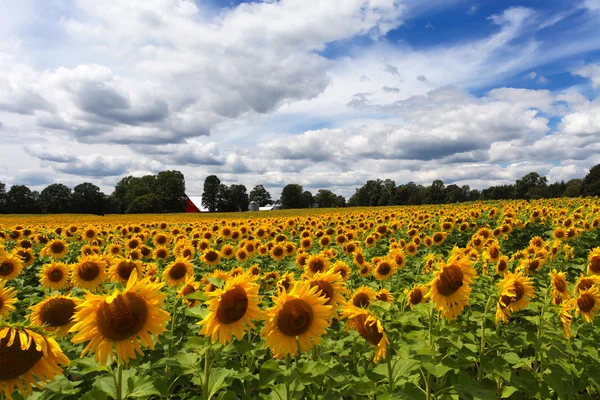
column 323, row 93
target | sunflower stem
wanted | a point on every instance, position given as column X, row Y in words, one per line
column 287, row 383
column 538, row 346
column 207, row 361
column 482, row 347
column 389, row 367
column 119, row 382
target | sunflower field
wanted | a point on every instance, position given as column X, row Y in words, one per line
column 491, row 300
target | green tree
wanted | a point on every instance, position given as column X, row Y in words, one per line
column 55, row 198
column 291, row 196
column 530, row 186
column 591, row 182
column 169, row 189
column 261, row 195
column 239, row 197
column 146, row 204
column 308, row 200
column 21, row 200
column 3, row 198
column 574, row 188
column 88, row 199
column 224, row 199
column 210, row 194
column 326, row 199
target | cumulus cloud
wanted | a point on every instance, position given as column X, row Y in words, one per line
column 389, row 89
column 590, row 71
column 44, row 153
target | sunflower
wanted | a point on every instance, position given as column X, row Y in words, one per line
column 55, row 275
column 365, row 270
column 587, row 304
column 54, row 314
column 28, row 358
column 56, row 249
column 316, row 263
column 416, row 295
column 227, row 251
column 502, row 265
column 594, row 262
column 114, row 249
column 121, row 269
column 10, row 266
column 369, row 327
column 89, row 272
column 411, row 249
column 560, row 286
column 331, row 287
column 451, row 285
column 178, row 271
column 232, row 309
column 211, row 257
column 161, row 253
column 493, row 252
column 254, row 269
column 439, row 238
column 586, row 282
column 296, row 321
column 89, row 234
column 26, row 256
column 119, row 319
column 287, row 281
column 342, row 268
column 8, row 298
column 363, row 297
column 385, row 296
column 236, row 271
column 384, row 269
column 566, row 317
column 241, row 255
column 516, row 290
column 278, row 252
column 190, row 286
column 270, row 278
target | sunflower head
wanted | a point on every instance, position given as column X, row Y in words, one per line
column 190, row 286
column 594, row 262
column 385, row 295
column 384, row 269
column 587, row 304
column 316, row 263
column 54, row 314
column 89, row 272
column 369, row 327
column 122, row 268
column 119, row 319
column 55, row 275
column 363, row 297
column 28, row 358
column 56, row 248
column 178, row 271
column 8, row 298
column 10, row 266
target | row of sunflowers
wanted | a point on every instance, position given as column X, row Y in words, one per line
column 481, row 300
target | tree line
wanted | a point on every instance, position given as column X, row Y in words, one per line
column 164, row 192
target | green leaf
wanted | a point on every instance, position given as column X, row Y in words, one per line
column 508, row 391
column 218, row 282
column 269, row 371
column 141, row 387
column 219, row 379
column 197, row 296
column 437, row 370
column 228, row 395
column 199, row 312
column 94, row 394
column 106, row 385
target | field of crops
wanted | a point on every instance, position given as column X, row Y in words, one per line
column 471, row 301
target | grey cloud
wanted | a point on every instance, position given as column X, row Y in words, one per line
column 359, row 100
column 390, row 69
column 95, row 166
column 422, row 78
column 389, row 89
column 364, row 78
column 33, row 178
column 50, row 154
column 25, row 102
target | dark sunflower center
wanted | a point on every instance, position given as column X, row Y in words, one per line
column 161, row 240
column 286, row 283
column 505, row 301
column 295, row 317
column 57, row 247
column 368, row 330
column 6, row 268
column 211, row 256
column 88, row 271
column 123, row 318
column 178, row 271
column 133, row 244
column 55, row 275
column 416, row 296
column 586, row 302
column 162, row 253
column 90, row 234
column 560, row 284
column 342, row 272
column 125, row 268
column 519, row 291
column 316, row 266
column 359, row 259
column 595, row 264
column 384, row 268
column 502, row 265
column 278, row 251
column 585, row 284
column 494, row 253
column 450, row 280
column 438, row 237
column 186, row 253
column 57, row 312
column 188, row 289
column 15, row 362
column 382, row 297
column 326, row 289
column 534, row 265
column 233, row 305
column 242, row 255
column 255, row 271
column 361, row 300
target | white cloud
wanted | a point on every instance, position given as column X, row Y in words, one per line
column 590, row 71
